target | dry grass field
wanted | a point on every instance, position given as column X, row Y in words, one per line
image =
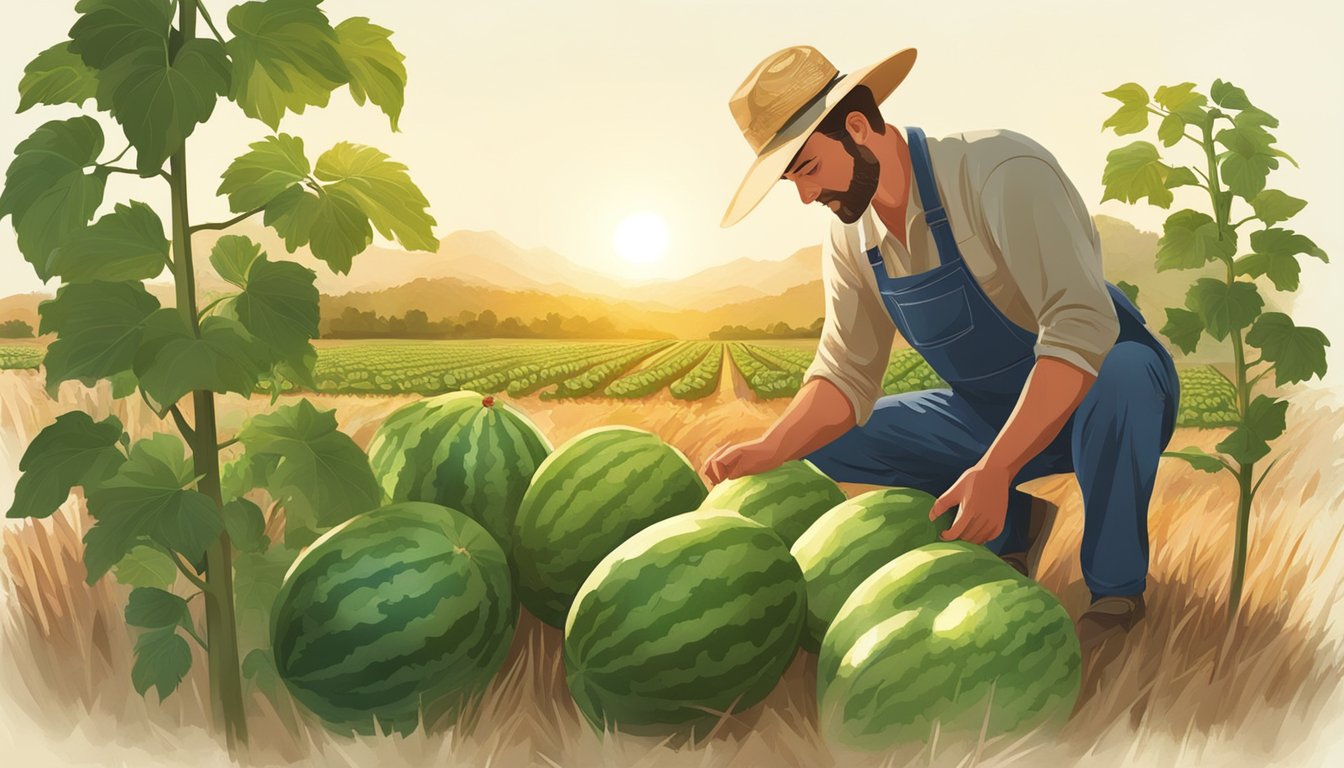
column 1186, row 690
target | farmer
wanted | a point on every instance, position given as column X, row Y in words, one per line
column 977, row 248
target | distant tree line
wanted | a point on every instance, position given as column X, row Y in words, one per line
column 15, row 329
column 415, row 324
column 780, row 330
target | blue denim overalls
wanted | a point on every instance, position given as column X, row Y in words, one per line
column 926, row 439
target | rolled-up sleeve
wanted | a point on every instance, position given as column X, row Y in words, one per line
column 856, row 336
column 1042, row 229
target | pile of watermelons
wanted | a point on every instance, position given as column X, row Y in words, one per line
column 676, row 603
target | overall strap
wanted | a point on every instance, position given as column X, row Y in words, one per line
column 934, row 214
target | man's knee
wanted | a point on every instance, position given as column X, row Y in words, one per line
column 1134, row 378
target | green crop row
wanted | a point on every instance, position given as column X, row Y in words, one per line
column 702, row 380
column 20, row 356
column 765, row 379
column 647, row 380
column 598, row 376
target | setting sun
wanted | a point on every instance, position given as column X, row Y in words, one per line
column 641, row 238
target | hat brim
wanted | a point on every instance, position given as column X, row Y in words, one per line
column 881, row 78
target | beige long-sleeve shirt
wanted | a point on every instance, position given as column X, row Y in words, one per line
column 1025, row 236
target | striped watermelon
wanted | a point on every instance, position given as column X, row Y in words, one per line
column 594, row 492
column 788, row 498
column 851, row 541
column 696, row 614
column 463, row 450
column 927, row 638
column 395, row 616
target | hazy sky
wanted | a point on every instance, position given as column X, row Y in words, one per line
column 551, row 122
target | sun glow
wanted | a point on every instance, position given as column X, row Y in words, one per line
column 641, row 238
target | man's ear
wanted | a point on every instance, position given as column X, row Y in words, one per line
column 859, row 129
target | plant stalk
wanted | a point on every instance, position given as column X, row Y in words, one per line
column 226, row 692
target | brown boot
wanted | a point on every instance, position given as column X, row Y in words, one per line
column 1041, row 520
column 1101, row 635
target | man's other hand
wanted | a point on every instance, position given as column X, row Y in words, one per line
column 981, row 495
column 730, row 461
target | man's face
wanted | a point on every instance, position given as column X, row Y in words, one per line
column 837, row 173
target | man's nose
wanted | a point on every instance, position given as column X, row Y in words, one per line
column 808, row 192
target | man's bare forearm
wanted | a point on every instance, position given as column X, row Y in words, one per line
column 1052, row 393
column 818, row 414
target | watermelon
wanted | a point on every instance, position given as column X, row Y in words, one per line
column 466, row 451
column 851, row 541
column 788, row 498
column 946, row 635
column 594, row 492
column 395, row 617
column 694, row 615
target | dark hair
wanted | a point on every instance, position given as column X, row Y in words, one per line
column 858, row 100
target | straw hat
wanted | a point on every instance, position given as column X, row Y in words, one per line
column 784, row 99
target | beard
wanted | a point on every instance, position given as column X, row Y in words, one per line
column 862, row 184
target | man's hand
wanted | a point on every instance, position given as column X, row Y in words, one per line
column 730, row 461
column 982, row 494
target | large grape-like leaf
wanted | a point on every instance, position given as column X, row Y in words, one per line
column 73, row 450
column 376, row 67
column 56, row 76
column 1134, row 172
column 126, row 244
column 148, row 498
column 383, row 190
column 1272, row 206
column 320, row 475
column 107, row 30
column 1224, row 308
column 1275, row 256
column 285, row 57
column 1190, row 240
column 1250, row 156
column 162, row 659
column 173, row 361
column 1132, row 116
column 1184, row 328
column 47, row 192
column 1265, row 420
column 145, row 566
column 1183, row 102
column 154, row 608
column 1297, row 352
column 279, row 307
column 246, row 525
column 232, row 257
column 329, row 222
column 1227, row 95
column 258, row 176
column 99, row 326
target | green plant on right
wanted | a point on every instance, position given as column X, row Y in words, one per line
column 1235, row 154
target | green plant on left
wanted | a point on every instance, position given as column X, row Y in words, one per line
column 163, row 503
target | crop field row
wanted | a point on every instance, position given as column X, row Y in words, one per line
column 689, row 370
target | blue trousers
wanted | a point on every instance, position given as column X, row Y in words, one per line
column 1112, row 444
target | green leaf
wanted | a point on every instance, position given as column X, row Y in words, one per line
column 1228, row 96
column 1199, row 459
column 1224, row 308
column 99, row 327
column 255, row 178
column 1132, row 116
column 162, row 659
column 1183, row 102
column 153, row 608
column 1130, row 290
column 159, row 104
column 1181, row 176
column 383, row 191
column 321, row 476
column 56, row 76
column 232, row 257
column 256, row 582
column 1248, row 161
column 1190, row 240
column 145, row 566
column 1171, row 129
column 279, row 306
column 1272, row 206
column 1283, row 271
column 330, row 223
column 285, row 57
column 123, row 384
column 109, row 30
column 73, row 450
column 1297, row 352
column 47, row 192
column 1265, row 420
column 246, row 526
column 1285, row 242
column 375, row 65
column 1134, row 172
column 127, row 244
column 148, row 498
column 172, row 361
column 1184, row 328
